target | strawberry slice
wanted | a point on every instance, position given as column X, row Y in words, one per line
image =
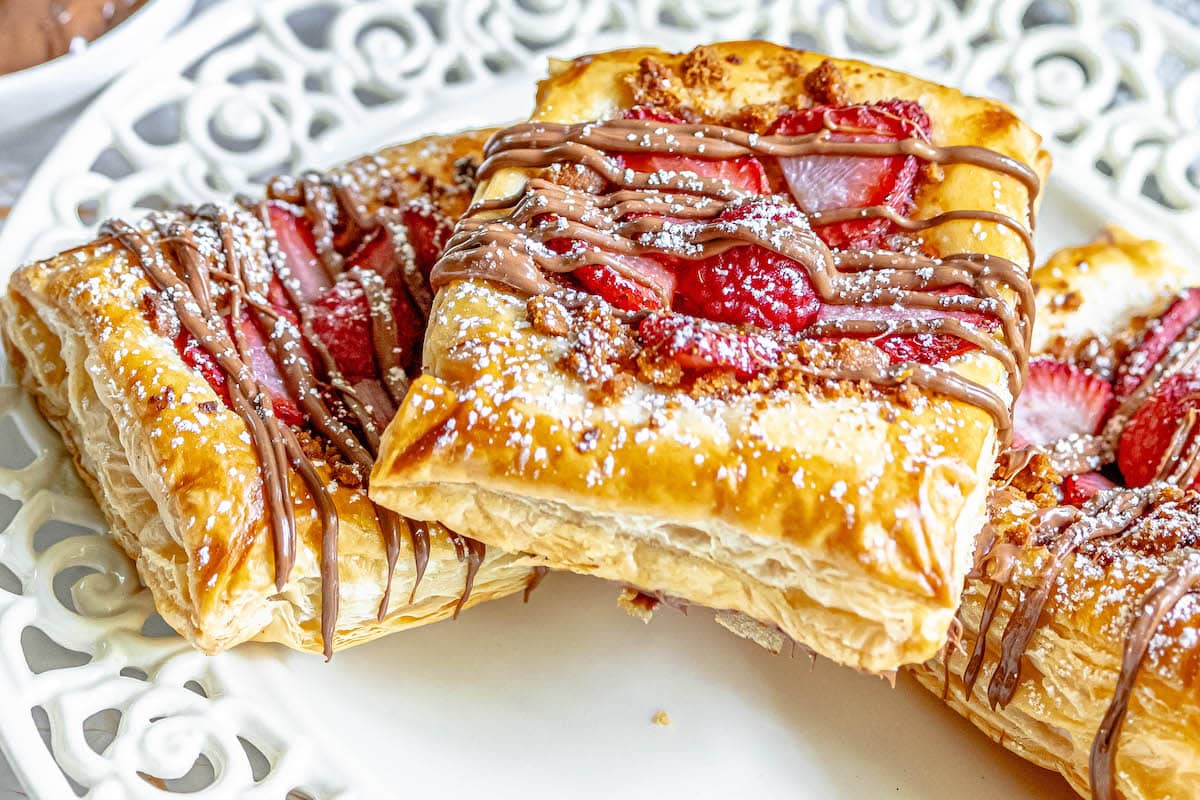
column 828, row 182
column 342, row 321
column 750, row 285
column 428, row 231
column 301, row 264
column 1078, row 489
column 1148, row 436
column 1059, row 400
column 699, row 346
column 626, row 293
column 744, row 173
column 265, row 369
column 925, row 348
column 1157, row 341
column 378, row 254
column 261, row 363
column 199, row 359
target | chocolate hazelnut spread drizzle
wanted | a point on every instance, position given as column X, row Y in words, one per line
column 1154, row 608
column 192, row 289
column 1110, row 517
column 679, row 214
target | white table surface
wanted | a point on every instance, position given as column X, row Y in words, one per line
column 21, row 154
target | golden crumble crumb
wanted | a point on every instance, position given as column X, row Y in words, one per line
column 575, row 176
column 701, row 68
column 651, row 85
column 756, row 118
column 661, row 719
column 825, row 85
column 618, row 386
column 547, row 315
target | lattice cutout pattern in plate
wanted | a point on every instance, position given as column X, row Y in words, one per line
column 252, row 89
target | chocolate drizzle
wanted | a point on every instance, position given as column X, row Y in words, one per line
column 207, row 297
column 1154, row 609
column 1111, row 518
column 680, row 214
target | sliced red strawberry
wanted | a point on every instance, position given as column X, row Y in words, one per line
column 824, row 183
column 1078, row 489
column 342, row 321
column 261, row 364
column 267, row 372
column 302, row 265
column 1156, row 341
column 428, row 231
column 925, row 348
column 698, row 345
column 656, row 114
column 1148, row 436
column 744, row 173
column 1059, row 400
column 199, row 359
column 749, row 285
column 378, row 254
column 626, row 293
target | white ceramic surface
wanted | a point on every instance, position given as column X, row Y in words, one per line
column 555, row 698
column 33, row 94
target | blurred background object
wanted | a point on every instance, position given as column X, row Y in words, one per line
column 49, row 68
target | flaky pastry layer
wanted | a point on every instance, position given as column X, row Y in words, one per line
column 173, row 468
column 1073, row 660
column 840, row 514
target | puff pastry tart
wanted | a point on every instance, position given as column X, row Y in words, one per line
column 1079, row 645
column 222, row 376
column 740, row 327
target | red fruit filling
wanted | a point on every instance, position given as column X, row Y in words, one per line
column 1157, row 341
column 340, row 312
column 1148, row 437
column 301, row 268
column 1059, row 400
column 827, row 182
column 428, row 232
column 751, row 285
column 745, row 174
column 699, row 345
column 1078, row 489
column 654, row 290
column 924, row 348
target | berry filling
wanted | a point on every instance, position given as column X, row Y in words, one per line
column 1156, row 343
column 1059, row 400
column 821, row 183
column 340, row 311
column 750, row 285
column 1145, row 438
column 1166, row 423
column 698, row 345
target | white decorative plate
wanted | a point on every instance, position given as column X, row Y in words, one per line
column 553, row 699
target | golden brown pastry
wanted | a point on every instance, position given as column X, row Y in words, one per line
column 1078, row 646
column 741, row 327
column 222, row 375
